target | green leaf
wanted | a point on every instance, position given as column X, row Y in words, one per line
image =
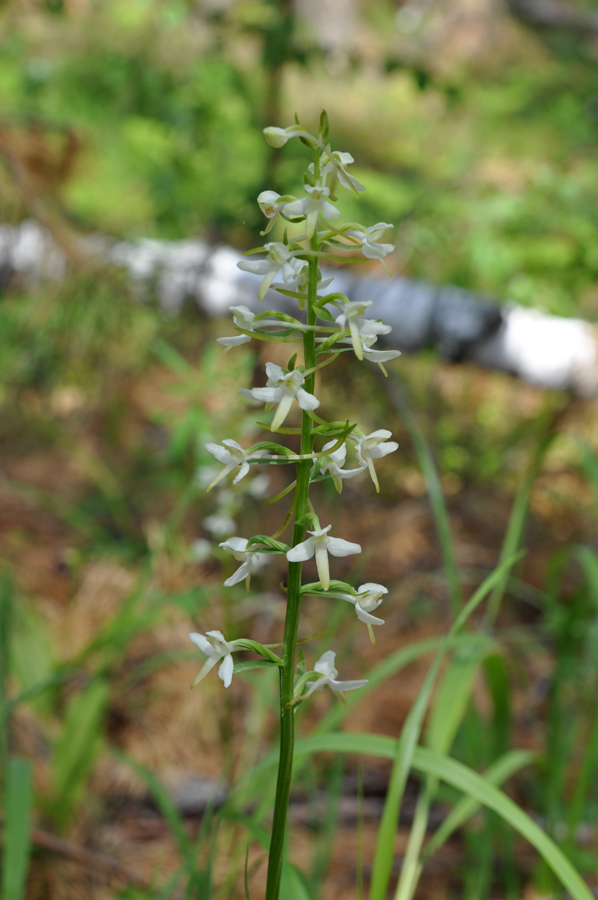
column 249, row 664
column 496, row 774
column 265, row 541
column 18, row 803
column 467, row 781
column 256, row 647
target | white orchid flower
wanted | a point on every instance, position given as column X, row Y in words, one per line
column 332, row 465
column 370, row 237
column 251, row 560
column 364, row 332
column 335, row 164
column 279, row 257
column 219, row 524
column 232, row 456
column 282, row 388
column 243, row 318
column 320, row 545
column 328, row 677
column 311, row 206
column 373, row 446
column 272, row 205
column 215, row 648
column 369, row 597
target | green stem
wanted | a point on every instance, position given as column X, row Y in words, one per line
column 291, row 625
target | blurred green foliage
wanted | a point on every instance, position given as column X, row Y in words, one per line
column 486, row 168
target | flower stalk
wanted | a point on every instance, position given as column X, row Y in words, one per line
column 333, row 324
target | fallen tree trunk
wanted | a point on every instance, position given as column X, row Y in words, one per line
column 548, row 351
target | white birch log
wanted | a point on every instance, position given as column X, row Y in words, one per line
column 545, row 350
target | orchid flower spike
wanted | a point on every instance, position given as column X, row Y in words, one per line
column 279, row 256
column 320, row 545
column 232, row 456
column 311, row 206
column 328, row 676
column 282, row 388
column 370, row 238
column 215, row 648
column 332, row 463
column 373, row 446
column 252, row 560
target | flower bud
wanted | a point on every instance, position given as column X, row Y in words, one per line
column 276, row 137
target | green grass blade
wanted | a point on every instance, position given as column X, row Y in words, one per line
column 166, row 806
column 430, row 473
column 466, row 780
column 5, row 631
column 405, row 747
column 76, row 747
column 516, row 524
column 590, row 467
column 446, row 714
column 18, row 806
column 496, row 774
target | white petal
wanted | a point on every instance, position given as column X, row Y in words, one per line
column 342, row 686
column 301, row 552
column 242, row 472
column 370, row 587
column 234, row 341
column 283, row 410
column 339, row 547
column 242, row 572
column 296, row 208
column 225, row 672
column 221, row 453
column 257, row 266
column 380, row 356
column 306, row 400
column 383, row 449
column 325, row 664
column 366, row 617
column 219, row 637
column 235, row 544
column 374, row 251
column 264, row 395
column 275, row 373
column 322, row 564
column 203, row 644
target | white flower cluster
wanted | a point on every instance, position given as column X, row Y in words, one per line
column 336, row 325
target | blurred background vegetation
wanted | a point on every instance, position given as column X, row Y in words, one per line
column 474, row 126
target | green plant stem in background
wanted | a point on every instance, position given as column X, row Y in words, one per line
column 287, row 672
